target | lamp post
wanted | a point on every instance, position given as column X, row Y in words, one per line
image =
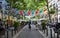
column 48, row 12
column 49, row 19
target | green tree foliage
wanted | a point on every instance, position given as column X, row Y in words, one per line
column 43, row 23
column 27, row 4
column 16, row 24
column 52, row 11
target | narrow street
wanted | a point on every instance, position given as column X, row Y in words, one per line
column 29, row 18
column 26, row 33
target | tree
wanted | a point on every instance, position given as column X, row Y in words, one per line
column 27, row 4
column 52, row 11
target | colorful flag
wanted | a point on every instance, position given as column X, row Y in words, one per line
column 28, row 12
column 21, row 12
column 44, row 10
column 32, row 13
column 46, row 14
column 25, row 13
column 36, row 12
column 41, row 11
column 16, row 11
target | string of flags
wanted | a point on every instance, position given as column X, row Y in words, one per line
column 32, row 12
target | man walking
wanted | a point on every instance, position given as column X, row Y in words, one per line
column 30, row 24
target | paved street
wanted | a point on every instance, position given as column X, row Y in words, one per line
column 26, row 33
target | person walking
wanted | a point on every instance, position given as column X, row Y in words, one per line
column 36, row 26
column 30, row 24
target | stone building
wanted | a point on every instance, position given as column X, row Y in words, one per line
column 2, row 7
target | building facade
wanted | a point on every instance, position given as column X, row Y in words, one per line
column 2, row 7
column 56, row 4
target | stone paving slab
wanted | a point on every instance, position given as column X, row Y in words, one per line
column 26, row 33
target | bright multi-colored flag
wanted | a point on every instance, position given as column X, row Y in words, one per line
column 32, row 12
column 46, row 14
column 45, row 10
column 21, row 12
column 36, row 12
column 28, row 12
column 40, row 11
column 16, row 11
column 25, row 13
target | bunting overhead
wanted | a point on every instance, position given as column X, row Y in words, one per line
column 36, row 12
column 16, row 11
column 21, row 12
column 45, row 10
column 40, row 11
column 25, row 14
column 32, row 12
column 28, row 12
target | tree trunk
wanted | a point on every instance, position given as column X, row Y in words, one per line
column 48, row 11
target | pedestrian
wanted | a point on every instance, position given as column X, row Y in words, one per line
column 30, row 25
column 36, row 26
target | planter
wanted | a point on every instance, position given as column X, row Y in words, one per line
column 43, row 24
column 16, row 25
column 52, row 11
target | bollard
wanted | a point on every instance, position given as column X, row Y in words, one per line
column 12, row 32
column 57, row 34
column 7, row 34
column 46, row 32
column 15, row 31
column 51, row 32
column 54, row 34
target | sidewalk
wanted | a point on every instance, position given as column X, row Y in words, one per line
column 26, row 33
column 44, row 34
column 9, row 34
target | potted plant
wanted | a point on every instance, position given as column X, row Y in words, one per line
column 52, row 11
column 16, row 25
column 43, row 23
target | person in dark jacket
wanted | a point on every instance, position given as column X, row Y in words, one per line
column 30, row 25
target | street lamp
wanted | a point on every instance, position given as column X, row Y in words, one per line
column 49, row 19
